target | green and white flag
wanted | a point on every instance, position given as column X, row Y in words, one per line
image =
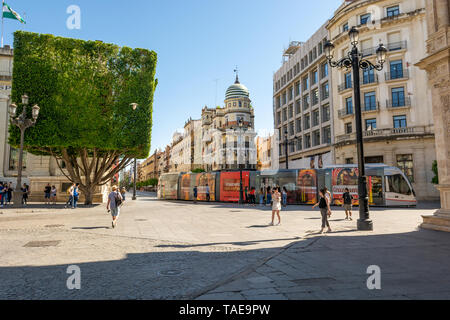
column 11, row 14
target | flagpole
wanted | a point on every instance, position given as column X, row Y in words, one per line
column 3, row 5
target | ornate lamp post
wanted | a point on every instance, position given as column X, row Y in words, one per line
column 134, row 106
column 23, row 123
column 355, row 61
column 241, row 191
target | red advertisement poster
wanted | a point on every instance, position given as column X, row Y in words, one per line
column 203, row 182
column 348, row 178
column 307, row 189
column 230, row 185
column 342, row 178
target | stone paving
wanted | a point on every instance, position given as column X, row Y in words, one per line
column 178, row 250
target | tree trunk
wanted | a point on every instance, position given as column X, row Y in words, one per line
column 89, row 195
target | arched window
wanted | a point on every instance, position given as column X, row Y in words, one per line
column 240, row 104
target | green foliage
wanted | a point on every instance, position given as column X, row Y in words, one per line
column 149, row 182
column 434, row 167
column 198, row 170
column 84, row 90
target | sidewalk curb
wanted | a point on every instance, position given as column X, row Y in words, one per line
column 249, row 269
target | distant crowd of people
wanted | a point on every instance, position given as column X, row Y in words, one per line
column 6, row 192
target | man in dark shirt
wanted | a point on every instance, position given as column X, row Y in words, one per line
column 347, row 204
column 47, row 191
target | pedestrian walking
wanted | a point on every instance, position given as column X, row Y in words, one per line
column 347, row 204
column 261, row 196
column 47, row 191
column 327, row 195
column 276, row 205
column 9, row 193
column 70, row 194
column 325, row 210
column 284, row 196
column 207, row 193
column 25, row 191
column 195, row 194
column 122, row 193
column 113, row 205
column 2, row 194
column 76, row 194
column 253, row 196
column 53, row 194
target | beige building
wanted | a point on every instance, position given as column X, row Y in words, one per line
column 396, row 102
column 302, row 104
column 186, row 148
column 267, row 153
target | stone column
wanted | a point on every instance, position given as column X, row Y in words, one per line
column 437, row 65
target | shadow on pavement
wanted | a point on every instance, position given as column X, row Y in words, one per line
column 237, row 243
column 89, row 228
column 413, row 265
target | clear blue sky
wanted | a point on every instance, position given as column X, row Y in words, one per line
column 197, row 41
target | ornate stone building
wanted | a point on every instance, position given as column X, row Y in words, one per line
column 228, row 136
column 396, row 102
column 437, row 65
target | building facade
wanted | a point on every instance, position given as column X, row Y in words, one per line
column 228, row 135
column 267, row 153
column 150, row 166
column 437, row 65
column 302, row 106
column 397, row 118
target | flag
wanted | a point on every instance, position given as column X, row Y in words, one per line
column 11, row 14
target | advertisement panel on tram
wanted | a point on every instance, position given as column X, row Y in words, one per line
column 307, row 186
column 230, row 185
column 343, row 178
column 205, row 181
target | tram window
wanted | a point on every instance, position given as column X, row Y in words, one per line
column 398, row 184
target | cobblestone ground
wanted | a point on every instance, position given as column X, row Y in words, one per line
column 172, row 250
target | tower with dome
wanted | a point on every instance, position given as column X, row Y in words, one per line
column 228, row 135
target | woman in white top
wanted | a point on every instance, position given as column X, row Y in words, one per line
column 276, row 204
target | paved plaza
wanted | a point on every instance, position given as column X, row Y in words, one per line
column 179, row 250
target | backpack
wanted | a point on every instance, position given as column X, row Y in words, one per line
column 117, row 199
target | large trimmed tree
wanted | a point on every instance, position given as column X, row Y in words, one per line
column 84, row 90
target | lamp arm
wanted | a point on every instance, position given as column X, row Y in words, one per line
column 366, row 64
column 344, row 62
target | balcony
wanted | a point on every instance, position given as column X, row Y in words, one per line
column 370, row 107
column 387, row 133
column 369, row 79
column 398, row 103
column 400, row 45
column 397, row 75
column 369, row 51
column 345, row 113
column 344, row 86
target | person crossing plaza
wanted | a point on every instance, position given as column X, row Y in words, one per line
column 276, row 205
column 347, row 204
column 325, row 211
column 113, row 206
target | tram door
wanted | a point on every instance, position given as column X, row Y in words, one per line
column 376, row 191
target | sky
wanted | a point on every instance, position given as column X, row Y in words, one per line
column 199, row 43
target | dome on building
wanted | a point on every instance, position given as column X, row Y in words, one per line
column 236, row 90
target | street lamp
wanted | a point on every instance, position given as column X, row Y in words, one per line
column 23, row 123
column 286, row 143
column 241, row 191
column 355, row 60
column 134, row 105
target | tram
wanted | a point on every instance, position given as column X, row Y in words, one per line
column 386, row 185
